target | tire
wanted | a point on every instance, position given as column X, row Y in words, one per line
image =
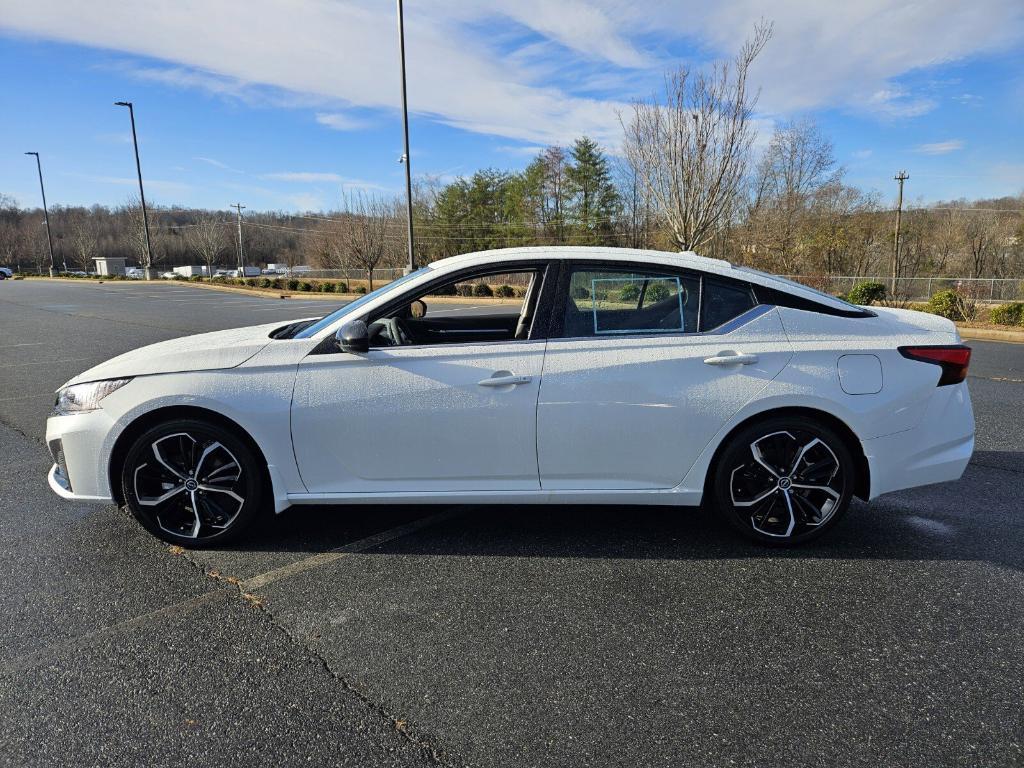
column 193, row 483
column 784, row 480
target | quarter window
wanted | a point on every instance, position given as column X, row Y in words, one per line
column 722, row 303
column 606, row 303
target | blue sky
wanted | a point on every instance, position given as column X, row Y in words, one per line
column 282, row 105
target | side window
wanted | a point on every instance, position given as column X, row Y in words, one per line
column 608, row 302
column 723, row 302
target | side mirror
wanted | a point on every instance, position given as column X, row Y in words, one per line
column 353, row 337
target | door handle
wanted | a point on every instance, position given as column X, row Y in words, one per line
column 731, row 358
column 505, row 380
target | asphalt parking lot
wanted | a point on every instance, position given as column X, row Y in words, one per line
column 493, row 636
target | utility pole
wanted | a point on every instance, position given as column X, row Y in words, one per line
column 46, row 214
column 405, row 124
column 241, row 263
column 148, row 266
column 900, row 177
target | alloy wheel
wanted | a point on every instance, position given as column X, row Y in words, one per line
column 789, row 483
column 190, row 487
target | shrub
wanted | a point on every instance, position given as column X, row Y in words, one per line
column 950, row 304
column 360, row 289
column 630, row 292
column 579, row 292
column 277, row 283
column 1008, row 314
column 448, row 289
column 657, row 291
column 251, row 282
column 327, row 287
column 482, row 289
column 195, row 278
column 866, row 294
column 504, row 292
column 292, row 284
column 520, row 293
column 464, row 289
column 342, row 287
column 305, row 285
column 265, row 282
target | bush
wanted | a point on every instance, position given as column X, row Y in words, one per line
column 360, row 289
column 305, row 285
column 194, row 278
column 504, row 292
column 657, row 291
column 950, row 304
column 448, row 289
column 579, row 292
column 520, row 293
column 179, row 278
column 342, row 287
column 866, row 294
column 1008, row 314
column 630, row 292
column 482, row 289
column 251, row 282
column 265, row 282
column 464, row 289
column 292, row 284
column 327, row 287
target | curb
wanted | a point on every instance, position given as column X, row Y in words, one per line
column 991, row 334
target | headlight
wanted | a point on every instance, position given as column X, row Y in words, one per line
column 85, row 397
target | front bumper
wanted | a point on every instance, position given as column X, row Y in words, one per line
column 80, row 447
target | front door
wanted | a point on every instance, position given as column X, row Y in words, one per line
column 433, row 418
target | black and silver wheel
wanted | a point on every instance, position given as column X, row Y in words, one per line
column 784, row 480
column 192, row 483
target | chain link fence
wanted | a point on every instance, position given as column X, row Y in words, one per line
column 987, row 289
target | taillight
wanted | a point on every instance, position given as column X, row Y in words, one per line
column 953, row 360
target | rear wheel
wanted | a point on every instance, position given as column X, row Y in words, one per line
column 784, row 480
column 192, row 483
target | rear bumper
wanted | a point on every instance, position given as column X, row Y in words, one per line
column 936, row 451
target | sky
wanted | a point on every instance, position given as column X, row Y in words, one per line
column 289, row 104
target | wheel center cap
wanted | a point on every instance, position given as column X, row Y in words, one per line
column 191, row 485
column 785, row 483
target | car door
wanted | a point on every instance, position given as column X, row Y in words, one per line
column 421, row 418
column 632, row 391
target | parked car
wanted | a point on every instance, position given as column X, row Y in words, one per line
column 625, row 377
column 134, row 273
column 5, row 273
column 169, row 275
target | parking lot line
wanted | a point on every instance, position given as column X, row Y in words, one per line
column 361, row 545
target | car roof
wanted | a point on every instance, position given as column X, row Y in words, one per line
column 681, row 259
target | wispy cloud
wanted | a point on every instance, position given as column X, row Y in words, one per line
column 305, row 177
column 163, row 185
column 339, row 121
column 862, row 154
column 217, row 164
column 940, row 147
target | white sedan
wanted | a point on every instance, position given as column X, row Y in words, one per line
column 619, row 377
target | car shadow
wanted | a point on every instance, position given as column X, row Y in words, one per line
column 976, row 518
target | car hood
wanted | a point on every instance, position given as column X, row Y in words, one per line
column 203, row 352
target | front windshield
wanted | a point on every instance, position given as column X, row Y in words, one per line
column 325, row 322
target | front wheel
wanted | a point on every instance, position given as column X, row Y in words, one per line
column 784, row 480
column 192, row 483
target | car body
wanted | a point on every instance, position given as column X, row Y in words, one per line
column 134, row 273
column 625, row 376
column 6, row 273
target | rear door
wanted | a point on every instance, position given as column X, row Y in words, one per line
column 633, row 389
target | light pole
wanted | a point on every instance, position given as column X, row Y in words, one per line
column 405, row 125
column 241, row 264
column 46, row 213
column 148, row 266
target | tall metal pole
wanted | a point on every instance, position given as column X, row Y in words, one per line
column 405, row 124
column 148, row 266
column 46, row 213
column 900, row 177
column 241, row 262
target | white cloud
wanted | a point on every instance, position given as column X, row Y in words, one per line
column 940, row 147
column 339, row 121
column 863, row 154
column 217, row 164
column 535, row 71
column 305, row 177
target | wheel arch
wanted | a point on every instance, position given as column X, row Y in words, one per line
column 159, row 415
column 861, row 489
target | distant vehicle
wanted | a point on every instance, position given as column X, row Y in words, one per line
column 76, row 273
column 625, row 377
column 191, row 271
column 5, row 273
column 169, row 275
column 134, row 273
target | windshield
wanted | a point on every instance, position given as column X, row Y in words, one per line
column 325, row 322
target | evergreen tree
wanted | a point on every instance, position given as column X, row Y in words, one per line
column 594, row 200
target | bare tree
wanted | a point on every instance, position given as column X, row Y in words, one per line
column 208, row 238
column 362, row 235
column 85, row 240
column 981, row 234
column 691, row 149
